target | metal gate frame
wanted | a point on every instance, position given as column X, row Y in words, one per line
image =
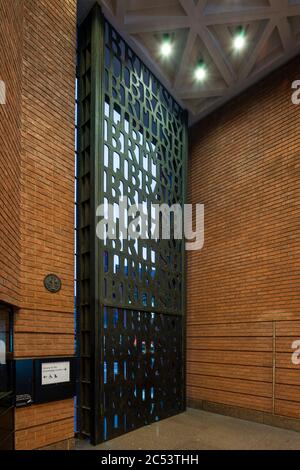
column 7, row 409
column 90, row 297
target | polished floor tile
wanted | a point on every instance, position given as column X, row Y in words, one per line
column 199, row 430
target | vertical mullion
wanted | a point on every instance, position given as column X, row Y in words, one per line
column 185, row 153
column 97, row 119
column 80, row 341
column 85, row 397
column 77, row 255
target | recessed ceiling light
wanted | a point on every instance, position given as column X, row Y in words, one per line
column 200, row 72
column 239, row 41
column 166, row 47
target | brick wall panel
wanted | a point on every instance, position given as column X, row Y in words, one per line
column 44, row 324
column 11, row 49
column 41, row 436
column 244, row 282
column 41, row 414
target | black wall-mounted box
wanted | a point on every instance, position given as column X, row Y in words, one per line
column 24, row 386
column 44, row 380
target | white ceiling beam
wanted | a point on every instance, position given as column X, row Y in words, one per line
column 198, row 94
column 293, row 10
column 235, row 90
column 217, row 55
column 188, row 6
column 202, row 106
column 285, row 32
column 144, row 24
column 196, row 18
column 201, row 5
column 151, row 62
column 261, row 42
column 121, row 6
column 186, row 56
column 242, row 16
column 224, row 35
column 141, row 51
column 279, row 4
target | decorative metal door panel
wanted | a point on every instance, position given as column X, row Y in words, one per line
column 132, row 144
column 142, row 374
column 6, row 382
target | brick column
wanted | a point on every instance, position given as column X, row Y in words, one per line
column 37, row 170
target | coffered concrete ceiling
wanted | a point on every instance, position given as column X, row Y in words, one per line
column 204, row 29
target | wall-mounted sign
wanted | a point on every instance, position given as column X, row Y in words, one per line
column 44, row 380
column 55, row 373
column 52, row 283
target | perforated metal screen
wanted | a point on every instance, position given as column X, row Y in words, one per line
column 132, row 143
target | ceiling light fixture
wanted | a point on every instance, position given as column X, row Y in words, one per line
column 166, row 47
column 239, row 41
column 200, row 72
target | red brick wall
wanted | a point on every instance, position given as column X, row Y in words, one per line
column 47, row 187
column 37, row 200
column 243, row 287
column 45, row 324
column 11, row 26
column 48, row 425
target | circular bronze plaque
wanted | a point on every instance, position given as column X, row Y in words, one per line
column 52, row 283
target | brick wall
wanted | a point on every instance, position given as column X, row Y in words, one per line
column 243, row 287
column 45, row 324
column 48, row 425
column 11, row 26
column 37, row 200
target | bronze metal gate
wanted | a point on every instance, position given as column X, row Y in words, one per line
column 131, row 302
